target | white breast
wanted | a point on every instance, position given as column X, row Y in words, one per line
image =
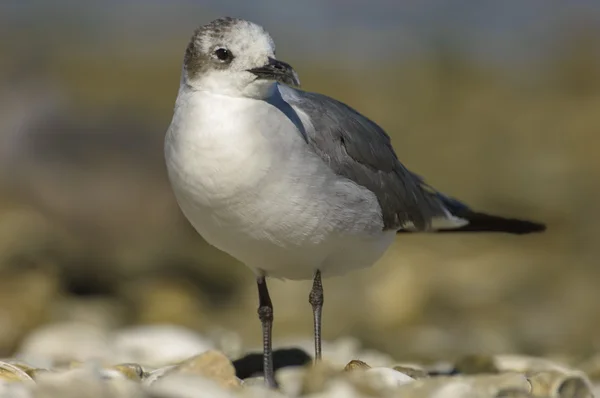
column 250, row 185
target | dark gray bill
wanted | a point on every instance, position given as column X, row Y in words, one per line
column 278, row 71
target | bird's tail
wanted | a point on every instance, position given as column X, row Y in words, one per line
column 460, row 218
column 481, row 222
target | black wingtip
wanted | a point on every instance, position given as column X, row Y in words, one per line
column 481, row 222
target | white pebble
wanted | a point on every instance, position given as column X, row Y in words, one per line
column 453, row 390
column 158, row 345
column 67, row 341
column 388, row 378
column 15, row 390
column 88, row 381
column 179, row 385
column 339, row 389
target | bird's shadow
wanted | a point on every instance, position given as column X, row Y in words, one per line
column 252, row 364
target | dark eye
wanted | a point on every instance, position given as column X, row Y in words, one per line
column 223, row 54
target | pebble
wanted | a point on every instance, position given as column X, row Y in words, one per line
column 181, row 385
column 560, row 384
column 153, row 376
column 158, row 345
column 186, row 365
column 15, row 390
column 339, row 389
column 228, row 342
column 378, row 380
column 480, row 386
column 258, row 380
column 591, row 367
column 11, row 373
column 86, row 381
column 525, row 364
column 260, row 391
column 65, row 342
column 343, row 350
column 212, row 365
column 356, row 364
column 131, row 371
column 414, row 371
column 475, row 364
column 387, row 378
column 290, row 380
column 318, row 376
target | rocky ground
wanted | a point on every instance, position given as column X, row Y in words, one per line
column 73, row 359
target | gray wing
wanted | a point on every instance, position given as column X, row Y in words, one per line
column 358, row 149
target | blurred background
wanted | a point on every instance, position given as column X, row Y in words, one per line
column 497, row 103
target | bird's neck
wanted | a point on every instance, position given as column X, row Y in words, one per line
column 259, row 89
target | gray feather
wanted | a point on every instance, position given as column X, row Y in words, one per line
column 358, row 149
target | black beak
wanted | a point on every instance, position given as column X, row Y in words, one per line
column 278, row 71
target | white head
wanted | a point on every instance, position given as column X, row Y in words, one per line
column 234, row 57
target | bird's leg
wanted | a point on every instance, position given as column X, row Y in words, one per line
column 316, row 300
column 265, row 314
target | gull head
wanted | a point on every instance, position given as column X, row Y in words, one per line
column 234, row 57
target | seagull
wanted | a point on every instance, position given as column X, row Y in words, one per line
column 294, row 184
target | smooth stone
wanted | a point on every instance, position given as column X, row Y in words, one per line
column 213, row 365
column 228, row 342
column 451, row 389
column 151, row 377
column 377, row 381
column 74, row 364
column 340, row 388
column 35, row 373
column 88, row 381
column 591, row 367
column 158, row 345
column 12, row 373
column 318, row 376
column 111, row 374
column 66, row 342
column 356, row 364
column 131, row 371
column 476, row 364
column 375, row 358
column 388, row 378
column 14, row 384
column 25, row 367
column 513, row 393
column 442, row 368
column 412, row 371
column 478, row 386
column 290, row 380
column 15, row 390
column 261, row 391
column 596, row 390
column 182, row 385
column 253, row 381
column 343, row 350
column 559, row 384
column 527, row 364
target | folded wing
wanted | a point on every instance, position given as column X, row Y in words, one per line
column 357, row 148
